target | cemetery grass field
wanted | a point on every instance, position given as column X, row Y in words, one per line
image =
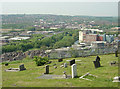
column 28, row 78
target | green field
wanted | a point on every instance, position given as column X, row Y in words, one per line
column 28, row 78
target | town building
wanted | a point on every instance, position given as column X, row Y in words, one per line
column 98, row 44
column 19, row 38
column 88, row 36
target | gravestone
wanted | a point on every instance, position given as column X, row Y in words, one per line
column 60, row 60
column 72, row 62
column 6, row 64
column 46, row 69
column 116, row 53
column 96, row 64
column 65, row 65
column 55, row 67
column 21, row 67
column 97, row 58
column 74, row 70
column 49, row 62
column 113, row 63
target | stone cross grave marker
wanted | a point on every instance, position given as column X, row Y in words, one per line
column 46, row 69
column 74, row 70
column 21, row 67
column 72, row 62
column 97, row 62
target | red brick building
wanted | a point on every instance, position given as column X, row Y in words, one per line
column 90, row 37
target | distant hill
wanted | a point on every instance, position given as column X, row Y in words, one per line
column 20, row 21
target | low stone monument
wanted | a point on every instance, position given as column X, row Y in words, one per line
column 113, row 63
column 72, row 62
column 6, row 64
column 74, row 70
column 46, row 69
column 60, row 60
column 116, row 79
column 49, row 62
column 21, row 67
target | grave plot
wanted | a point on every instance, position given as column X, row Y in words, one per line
column 53, row 77
column 87, row 74
column 21, row 68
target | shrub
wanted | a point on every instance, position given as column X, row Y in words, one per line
column 40, row 61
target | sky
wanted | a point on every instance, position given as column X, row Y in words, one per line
column 61, row 8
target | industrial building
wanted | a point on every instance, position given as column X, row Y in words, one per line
column 88, row 36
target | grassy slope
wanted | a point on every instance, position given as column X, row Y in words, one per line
column 27, row 78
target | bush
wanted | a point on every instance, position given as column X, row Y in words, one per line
column 40, row 61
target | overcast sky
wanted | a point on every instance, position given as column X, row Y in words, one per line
column 61, row 8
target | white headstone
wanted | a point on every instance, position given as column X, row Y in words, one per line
column 74, row 70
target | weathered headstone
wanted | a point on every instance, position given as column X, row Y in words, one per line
column 60, row 60
column 116, row 53
column 65, row 65
column 46, row 69
column 21, row 67
column 72, row 62
column 96, row 64
column 74, row 70
column 97, row 58
column 6, row 64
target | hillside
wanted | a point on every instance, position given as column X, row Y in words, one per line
column 28, row 77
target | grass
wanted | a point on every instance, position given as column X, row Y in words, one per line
column 28, row 77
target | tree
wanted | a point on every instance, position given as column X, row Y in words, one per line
column 40, row 61
column 31, row 29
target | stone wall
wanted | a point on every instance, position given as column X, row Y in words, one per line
column 20, row 55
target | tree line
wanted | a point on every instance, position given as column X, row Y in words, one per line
column 64, row 39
